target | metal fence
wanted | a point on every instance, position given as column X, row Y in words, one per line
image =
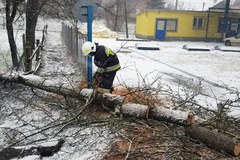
column 74, row 40
column 2, row 22
column 18, row 24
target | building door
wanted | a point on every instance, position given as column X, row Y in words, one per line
column 160, row 29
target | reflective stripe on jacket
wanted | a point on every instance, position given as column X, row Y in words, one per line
column 106, row 60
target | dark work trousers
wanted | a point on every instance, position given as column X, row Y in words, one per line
column 107, row 80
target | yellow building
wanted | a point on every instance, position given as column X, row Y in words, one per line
column 179, row 25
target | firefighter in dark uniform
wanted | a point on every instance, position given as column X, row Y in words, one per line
column 107, row 62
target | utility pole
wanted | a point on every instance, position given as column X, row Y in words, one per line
column 176, row 5
column 203, row 6
column 126, row 18
column 116, row 16
column 225, row 26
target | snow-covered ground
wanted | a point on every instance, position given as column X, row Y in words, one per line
column 216, row 72
column 27, row 114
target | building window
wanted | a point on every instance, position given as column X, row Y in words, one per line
column 198, row 23
column 234, row 27
column 160, row 25
column 172, row 25
column 220, row 25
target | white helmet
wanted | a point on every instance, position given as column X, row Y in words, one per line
column 88, row 47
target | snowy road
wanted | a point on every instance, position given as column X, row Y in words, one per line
column 198, row 78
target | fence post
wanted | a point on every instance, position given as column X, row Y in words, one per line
column 73, row 40
column 24, row 57
column 37, row 54
column 76, row 39
column 46, row 29
column 71, row 44
column 43, row 39
column 4, row 22
column 28, row 62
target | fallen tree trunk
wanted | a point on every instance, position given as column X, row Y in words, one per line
column 214, row 139
column 63, row 89
column 183, row 118
column 41, row 150
column 108, row 100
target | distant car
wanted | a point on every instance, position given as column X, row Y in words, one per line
column 232, row 40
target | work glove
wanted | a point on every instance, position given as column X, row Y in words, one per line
column 95, row 75
column 97, row 78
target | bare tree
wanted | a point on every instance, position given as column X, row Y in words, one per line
column 53, row 9
column 32, row 13
column 155, row 4
column 179, row 5
column 58, row 9
column 11, row 11
column 33, row 9
column 117, row 13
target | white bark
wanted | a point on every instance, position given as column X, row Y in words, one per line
column 136, row 110
column 63, row 89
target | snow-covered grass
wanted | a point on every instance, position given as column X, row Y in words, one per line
column 5, row 55
column 215, row 71
column 23, row 113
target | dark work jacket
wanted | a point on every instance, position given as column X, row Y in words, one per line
column 106, row 60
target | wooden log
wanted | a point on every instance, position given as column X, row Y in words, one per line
column 108, row 100
column 172, row 116
column 41, row 150
column 136, row 110
column 214, row 139
column 183, row 118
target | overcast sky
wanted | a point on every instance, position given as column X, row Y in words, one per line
column 197, row 4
